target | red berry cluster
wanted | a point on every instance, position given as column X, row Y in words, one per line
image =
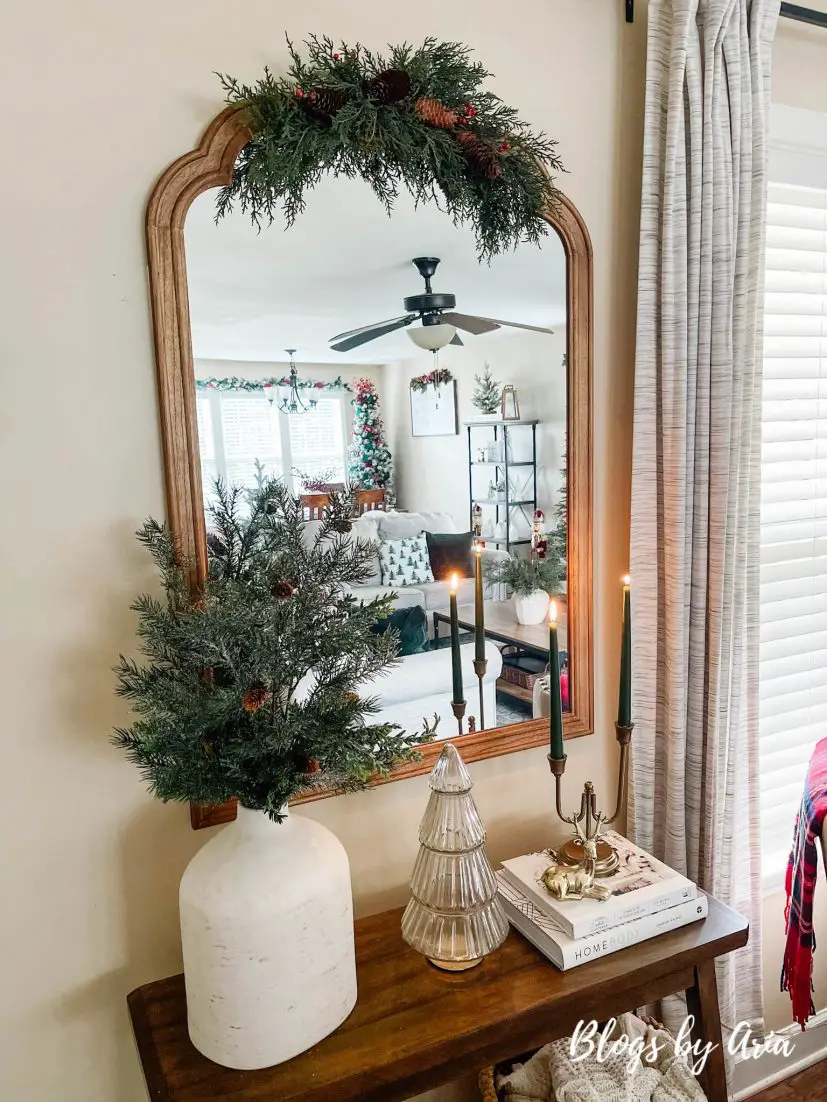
column 504, row 148
column 469, row 112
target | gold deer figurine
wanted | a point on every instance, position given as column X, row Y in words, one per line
column 567, row 883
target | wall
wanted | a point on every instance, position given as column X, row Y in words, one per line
column 431, row 472
column 103, row 97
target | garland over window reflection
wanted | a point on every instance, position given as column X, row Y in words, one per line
column 236, row 383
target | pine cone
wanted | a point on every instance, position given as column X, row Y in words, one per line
column 282, row 590
column 389, row 87
column 216, row 545
column 480, row 156
column 323, row 103
column 434, row 113
column 254, row 698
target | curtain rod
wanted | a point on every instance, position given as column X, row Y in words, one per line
column 804, row 15
column 788, row 11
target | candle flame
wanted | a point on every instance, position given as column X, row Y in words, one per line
column 627, row 581
column 552, row 612
column 477, row 548
column 454, row 583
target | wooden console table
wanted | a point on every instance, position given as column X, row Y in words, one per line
column 414, row 1027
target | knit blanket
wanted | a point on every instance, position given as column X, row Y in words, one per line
column 552, row 1075
column 802, row 870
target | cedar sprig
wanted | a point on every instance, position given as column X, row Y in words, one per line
column 389, row 145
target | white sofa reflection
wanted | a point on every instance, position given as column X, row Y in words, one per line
column 379, row 526
column 420, row 687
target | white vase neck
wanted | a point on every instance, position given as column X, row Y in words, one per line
column 255, row 822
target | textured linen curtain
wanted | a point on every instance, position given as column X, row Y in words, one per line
column 696, row 464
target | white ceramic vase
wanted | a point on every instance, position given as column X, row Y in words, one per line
column 532, row 609
column 267, row 933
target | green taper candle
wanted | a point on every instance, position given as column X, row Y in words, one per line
column 456, row 662
column 555, row 711
column 479, row 613
column 624, row 705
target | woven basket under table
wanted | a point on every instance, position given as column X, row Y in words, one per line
column 487, row 1077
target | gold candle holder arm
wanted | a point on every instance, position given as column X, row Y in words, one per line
column 624, row 738
column 458, row 708
column 480, row 669
column 558, row 768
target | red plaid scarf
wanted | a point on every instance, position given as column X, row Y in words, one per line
column 802, row 870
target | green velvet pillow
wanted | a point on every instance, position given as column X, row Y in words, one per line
column 450, row 553
column 412, row 625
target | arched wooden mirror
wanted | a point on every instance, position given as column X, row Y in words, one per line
column 228, row 301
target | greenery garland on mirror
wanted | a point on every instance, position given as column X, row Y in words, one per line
column 418, row 118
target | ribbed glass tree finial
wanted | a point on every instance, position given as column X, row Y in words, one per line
column 454, row 917
column 449, row 774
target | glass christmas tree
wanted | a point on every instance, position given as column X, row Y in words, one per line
column 454, row 917
column 370, row 457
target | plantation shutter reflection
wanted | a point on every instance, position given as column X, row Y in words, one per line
column 793, row 651
column 317, row 440
column 250, row 433
column 206, row 438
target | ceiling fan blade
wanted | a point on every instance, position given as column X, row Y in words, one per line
column 370, row 333
column 457, row 340
column 364, row 329
column 469, row 323
column 517, row 325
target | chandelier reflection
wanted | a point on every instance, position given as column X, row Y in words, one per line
column 293, row 402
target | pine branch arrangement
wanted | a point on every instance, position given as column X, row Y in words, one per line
column 525, row 576
column 255, row 689
column 486, row 396
column 418, row 118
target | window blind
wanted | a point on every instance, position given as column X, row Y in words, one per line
column 206, row 446
column 251, row 438
column 317, row 440
column 793, row 595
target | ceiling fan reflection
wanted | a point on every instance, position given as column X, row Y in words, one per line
column 437, row 314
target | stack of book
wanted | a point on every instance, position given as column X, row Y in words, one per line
column 648, row 898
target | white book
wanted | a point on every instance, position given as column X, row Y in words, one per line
column 565, row 952
column 641, row 886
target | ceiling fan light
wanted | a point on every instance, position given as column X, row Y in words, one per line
column 432, row 337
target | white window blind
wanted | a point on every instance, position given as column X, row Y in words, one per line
column 793, row 647
column 317, row 440
column 206, row 442
column 251, row 438
column 242, row 432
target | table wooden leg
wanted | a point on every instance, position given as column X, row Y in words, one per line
column 702, row 1004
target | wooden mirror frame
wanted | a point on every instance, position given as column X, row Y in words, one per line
column 211, row 165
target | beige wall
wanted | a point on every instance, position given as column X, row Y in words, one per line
column 799, row 80
column 100, row 98
column 431, row 472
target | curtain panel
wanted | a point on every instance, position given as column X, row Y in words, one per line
column 696, row 459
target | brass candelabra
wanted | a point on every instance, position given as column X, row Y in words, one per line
column 588, row 821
